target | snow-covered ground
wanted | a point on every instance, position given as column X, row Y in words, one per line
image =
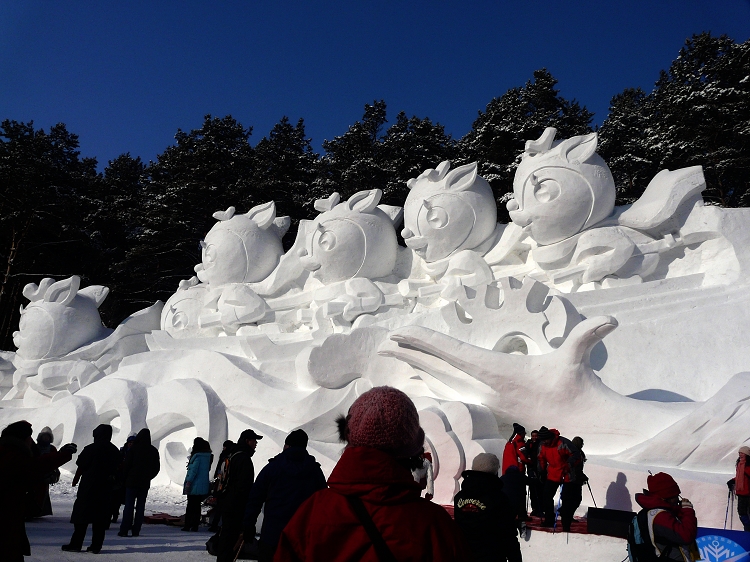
column 165, row 543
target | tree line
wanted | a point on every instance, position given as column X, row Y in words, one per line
column 135, row 227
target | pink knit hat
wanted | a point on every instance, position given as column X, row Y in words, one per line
column 385, row 418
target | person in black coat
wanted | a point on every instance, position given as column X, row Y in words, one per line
column 97, row 466
column 284, row 483
column 514, row 488
column 140, row 467
column 484, row 514
column 19, row 470
column 239, row 481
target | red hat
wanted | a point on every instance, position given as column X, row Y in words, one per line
column 385, row 418
column 662, row 485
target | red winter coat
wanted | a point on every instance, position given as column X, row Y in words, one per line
column 325, row 527
column 675, row 526
column 514, row 454
column 19, row 471
column 558, row 458
column 742, row 478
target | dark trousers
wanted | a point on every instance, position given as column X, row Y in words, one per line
column 548, row 501
column 193, row 511
column 511, row 551
column 536, row 488
column 743, row 509
column 134, row 498
column 230, row 532
column 570, row 497
column 97, row 537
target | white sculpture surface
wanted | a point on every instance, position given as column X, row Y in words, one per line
column 622, row 325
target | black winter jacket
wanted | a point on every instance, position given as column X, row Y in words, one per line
column 97, row 467
column 141, row 462
column 484, row 514
column 238, row 484
column 283, row 485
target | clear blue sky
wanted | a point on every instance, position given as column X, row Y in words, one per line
column 125, row 75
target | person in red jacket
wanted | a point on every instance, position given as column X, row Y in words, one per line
column 20, row 470
column 514, row 453
column 740, row 485
column 672, row 525
column 557, row 460
column 372, row 510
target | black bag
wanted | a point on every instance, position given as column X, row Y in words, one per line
column 52, row 477
column 640, row 547
column 212, row 545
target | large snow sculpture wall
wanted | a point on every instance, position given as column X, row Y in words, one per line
column 622, row 325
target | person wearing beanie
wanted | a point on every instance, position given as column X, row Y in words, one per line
column 20, row 469
column 572, row 491
column 514, row 453
column 239, row 482
column 285, row 482
column 484, row 513
column 740, row 485
column 219, row 483
column 668, row 519
column 372, row 509
column 97, row 466
column 558, row 461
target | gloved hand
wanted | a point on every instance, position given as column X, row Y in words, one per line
column 69, row 448
column 685, row 503
column 730, row 484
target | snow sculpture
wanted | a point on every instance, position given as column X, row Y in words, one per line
column 450, row 221
column 482, row 324
column 238, row 250
column 242, row 248
column 62, row 344
column 351, row 239
column 563, row 199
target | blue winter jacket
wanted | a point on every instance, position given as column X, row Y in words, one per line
column 283, row 485
column 198, row 470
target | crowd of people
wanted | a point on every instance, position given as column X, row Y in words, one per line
column 376, row 505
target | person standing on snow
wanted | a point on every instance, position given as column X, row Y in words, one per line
column 239, row 482
column 740, row 485
column 372, row 510
column 196, row 485
column 572, row 492
column 557, row 460
column 535, row 484
column 97, row 466
column 140, row 467
column 667, row 526
column 19, row 470
column 484, row 513
column 284, row 483
column 514, row 453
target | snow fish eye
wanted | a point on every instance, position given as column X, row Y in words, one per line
column 327, row 240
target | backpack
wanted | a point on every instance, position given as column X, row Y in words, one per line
column 640, row 547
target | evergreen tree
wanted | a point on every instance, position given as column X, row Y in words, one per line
column 42, row 212
column 624, row 143
column 410, row 146
column 701, row 116
column 498, row 135
column 286, row 167
column 208, row 169
column 351, row 162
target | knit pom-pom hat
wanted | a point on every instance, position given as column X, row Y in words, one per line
column 662, row 485
column 383, row 418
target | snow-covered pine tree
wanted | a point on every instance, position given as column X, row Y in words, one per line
column 623, row 143
column 410, row 146
column 498, row 135
column 701, row 115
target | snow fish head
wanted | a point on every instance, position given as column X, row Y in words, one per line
column 355, row 238
column 561, row 188
column 447, row 211
column 242, row 248
column 59, row 318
